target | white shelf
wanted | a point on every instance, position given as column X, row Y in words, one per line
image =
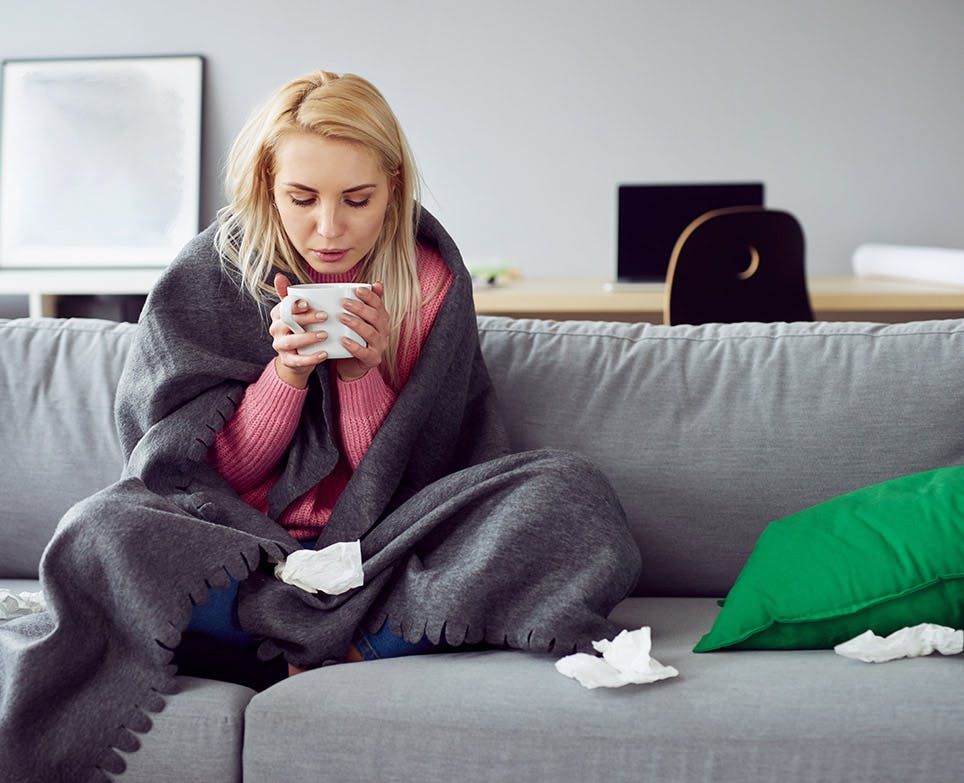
column 43, row 286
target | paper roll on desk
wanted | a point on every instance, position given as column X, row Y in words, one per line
column 927, row 264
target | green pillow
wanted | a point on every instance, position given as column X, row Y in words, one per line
column 880, row 558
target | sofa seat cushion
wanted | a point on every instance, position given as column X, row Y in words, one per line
column 498, row 715
column 197, row 737
column 20, row 585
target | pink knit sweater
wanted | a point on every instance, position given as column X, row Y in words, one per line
column 247, row 452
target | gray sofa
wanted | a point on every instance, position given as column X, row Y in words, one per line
column 708, row 433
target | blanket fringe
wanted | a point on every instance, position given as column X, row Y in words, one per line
column 456, row 634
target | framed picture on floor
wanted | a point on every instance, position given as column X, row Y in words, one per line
column 100, row 160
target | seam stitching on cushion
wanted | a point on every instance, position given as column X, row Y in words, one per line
column 718, row 339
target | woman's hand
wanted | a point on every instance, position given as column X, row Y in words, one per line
column 369, row 319
column 293, row 368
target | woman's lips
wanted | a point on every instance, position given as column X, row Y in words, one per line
column 330, row 256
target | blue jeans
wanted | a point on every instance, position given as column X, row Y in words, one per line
column 218, row 618
column 385, row 644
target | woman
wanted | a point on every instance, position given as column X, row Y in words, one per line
column 323, row 187
column 340, row 208
column 240, row 452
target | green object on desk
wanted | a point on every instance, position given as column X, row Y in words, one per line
column 493, row 275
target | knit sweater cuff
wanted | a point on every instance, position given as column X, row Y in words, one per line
column 255, row 438
column 364, row 405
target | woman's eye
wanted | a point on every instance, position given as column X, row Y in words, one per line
column 302, row 202
column 357, row 204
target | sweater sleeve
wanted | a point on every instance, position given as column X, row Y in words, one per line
column 364, row 404
column 253, row 441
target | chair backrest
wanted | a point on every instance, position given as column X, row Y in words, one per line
column 738, row 264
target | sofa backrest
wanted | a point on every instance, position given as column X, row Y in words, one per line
column 707, row 433
column 59, row 444
column 710, row 432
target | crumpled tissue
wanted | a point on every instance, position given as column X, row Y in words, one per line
column 17, row 604
column 910, row 642
column 625, row 660
column 334, row 570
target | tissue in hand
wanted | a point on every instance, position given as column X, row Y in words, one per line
column 334, row 570
column 16, row 604
column 911, row 642
column 625, row 660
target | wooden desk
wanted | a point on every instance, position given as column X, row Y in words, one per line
column 836, row 298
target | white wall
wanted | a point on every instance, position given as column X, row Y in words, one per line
column 526, row 114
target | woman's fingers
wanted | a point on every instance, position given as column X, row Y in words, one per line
column 281, row 284
column 290, row 343
column 368, row 317
column 302, row 314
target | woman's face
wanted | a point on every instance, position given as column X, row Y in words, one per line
column 332, row 197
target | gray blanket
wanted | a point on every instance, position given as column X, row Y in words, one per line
column 461, row 540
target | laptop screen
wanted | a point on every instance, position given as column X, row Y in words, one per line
column 651, row 218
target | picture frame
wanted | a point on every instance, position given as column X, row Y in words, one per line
column 100, row 160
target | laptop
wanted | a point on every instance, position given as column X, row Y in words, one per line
column 652, row 216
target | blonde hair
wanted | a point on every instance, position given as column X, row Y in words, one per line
column 250, row 235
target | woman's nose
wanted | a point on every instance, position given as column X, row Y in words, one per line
column 328, row 222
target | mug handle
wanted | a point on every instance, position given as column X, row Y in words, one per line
column 288, row 317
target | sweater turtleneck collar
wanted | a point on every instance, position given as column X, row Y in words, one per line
column 339, row 277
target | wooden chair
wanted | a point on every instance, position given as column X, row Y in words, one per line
column 738, row 264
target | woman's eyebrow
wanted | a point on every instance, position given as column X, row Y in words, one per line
column 299, row 186
column 307, row 189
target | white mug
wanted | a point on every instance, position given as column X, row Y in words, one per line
column 327, row 297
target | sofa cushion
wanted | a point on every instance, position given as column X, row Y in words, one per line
column 880, row 558
column 20, row 585
column 198, row 736
column 710, row 432
column 497, row 716
column 57, row 383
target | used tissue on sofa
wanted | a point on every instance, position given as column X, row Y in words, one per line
column 625, row 660
column 910, row 642
column 16, row 604
column 333, row 570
